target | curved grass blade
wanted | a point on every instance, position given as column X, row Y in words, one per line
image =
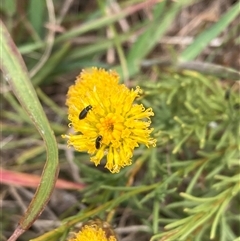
column 16, row 74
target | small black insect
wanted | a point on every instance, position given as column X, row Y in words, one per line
column 84, row 112
column 98, row 142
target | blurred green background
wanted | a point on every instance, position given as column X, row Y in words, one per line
column 185, row 57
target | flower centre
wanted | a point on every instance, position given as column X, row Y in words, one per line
column 111, row 128
column 108, row 125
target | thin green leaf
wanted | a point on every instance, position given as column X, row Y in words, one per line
column 150, row 37
column 204, row 38
column 37, row 20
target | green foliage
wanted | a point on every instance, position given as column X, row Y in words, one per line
column 201, row 128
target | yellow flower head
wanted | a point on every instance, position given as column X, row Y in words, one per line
column 95, row 230
column 105, row 119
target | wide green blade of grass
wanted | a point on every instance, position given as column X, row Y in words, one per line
column 15, row 72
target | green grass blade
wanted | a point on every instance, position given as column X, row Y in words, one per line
column 147, row 40
column 16, row 74
column 150, row 37
column 37, row 20
column 203, row 39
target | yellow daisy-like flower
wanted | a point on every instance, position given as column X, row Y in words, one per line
column 95, row 230
column 105, row 119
